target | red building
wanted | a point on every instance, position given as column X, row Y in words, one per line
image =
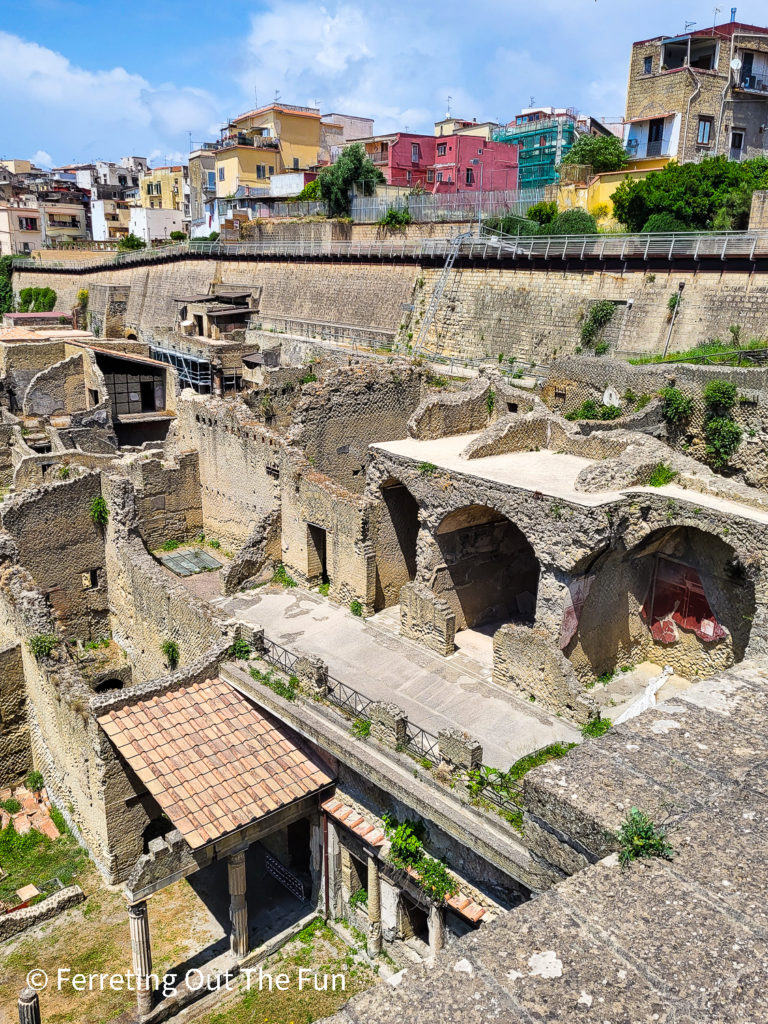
column 447, row 163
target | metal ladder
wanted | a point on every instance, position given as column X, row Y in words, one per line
column 437, row 294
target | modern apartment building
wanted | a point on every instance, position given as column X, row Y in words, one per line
column 699, row 94
column 166, row 188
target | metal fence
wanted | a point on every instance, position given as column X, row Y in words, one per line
column 459, row 206
column 488, row 245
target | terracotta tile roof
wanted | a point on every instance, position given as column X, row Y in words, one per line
column 213, row 761
column 356, row 823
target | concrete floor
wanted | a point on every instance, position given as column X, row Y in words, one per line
column 435, row 692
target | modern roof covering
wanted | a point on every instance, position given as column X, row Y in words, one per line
column 212, row 760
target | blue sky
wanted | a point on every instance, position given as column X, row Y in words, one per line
column 88, row 79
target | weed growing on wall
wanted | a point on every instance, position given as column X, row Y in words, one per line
column 600, row 314
column 240, row 650
column 661, row 474
column 639, row 836
column 675, row 407
column 42, row 644
column 722, row 435
column 99, row 511
column 427, row 468
column 358, row 899
column 170, row 651
column 356, row 608
column 590, row 410
column 275, row 684
column 596, row 727
column 361, row 727
column 281, row 577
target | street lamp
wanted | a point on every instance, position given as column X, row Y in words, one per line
column 479, row 194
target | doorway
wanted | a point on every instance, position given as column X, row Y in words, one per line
column 317, row 555
column 655, row 136
column 414, row 923
column 147, row 395
column 737, row 144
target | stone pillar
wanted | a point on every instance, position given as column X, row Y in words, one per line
column 436, row 925
column 389, row 724
column 29, row 1007
column 374, row 907
column 141, row 951
column 459, row 751
column 312, row 674
column 238, row 908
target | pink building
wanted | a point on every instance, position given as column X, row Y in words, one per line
column 469, row 163
column 447, row 163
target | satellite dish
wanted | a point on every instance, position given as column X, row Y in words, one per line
column 736, row 64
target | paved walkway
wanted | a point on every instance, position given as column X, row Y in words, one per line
column 435, row 692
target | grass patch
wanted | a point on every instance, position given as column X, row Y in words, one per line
column 726, row 354
column 427, row 468
column 549, row 753
column 276, row 684
column 240, row 649
column 170, row 545
column 361, row 727
column 356, row 608
column 34, row 859
column 324, row 589
column 596, row 727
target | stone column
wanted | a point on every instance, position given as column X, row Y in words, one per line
column 374, row 907
column 238, row 908
column 141, row 950
column 29, row 1007
column 436, row 925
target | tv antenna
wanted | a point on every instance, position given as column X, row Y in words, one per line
column 277, row 95
column 714, row 17
column 689, row 24
column 448, row 111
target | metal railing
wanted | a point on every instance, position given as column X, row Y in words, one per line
column 370, row 337
column 489, row 245
column 420, row 742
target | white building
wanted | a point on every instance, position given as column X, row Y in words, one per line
column 154, row 225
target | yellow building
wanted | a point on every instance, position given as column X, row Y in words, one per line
column 270, row 140
column 594, row 195
column 166, row 188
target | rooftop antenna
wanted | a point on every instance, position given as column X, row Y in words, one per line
column 448, row 111
column 277, row 95
column 714, row 18
column 689, row 24
column 190, row 141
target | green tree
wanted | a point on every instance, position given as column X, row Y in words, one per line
column 571, row 222
column 542, row 213
column 131, row 242
column 6, row 286
column 352, row 168
column 602, row 152
column 311, row 192
column 664, row 222
column 178, row 236
column 692, row 193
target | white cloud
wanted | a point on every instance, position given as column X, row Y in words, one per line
column 98, row 113
column 42, row 159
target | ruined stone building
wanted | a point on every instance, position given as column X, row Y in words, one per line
column 192, row 480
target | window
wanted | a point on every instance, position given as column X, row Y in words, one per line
column 135, row 180
column 414, row 152
column 408, row 177
column 439, row 175
column 122, row 180
column 704, row 133
column 647, row 65
column 212, row 179
column 470, row 176
column 261, row 171
column 441, row 149
column 90, row 579
column 430, row 175
column 150, row 189
column 271, row 170
column 221, row 174
column 28, row 223
column 295, row 163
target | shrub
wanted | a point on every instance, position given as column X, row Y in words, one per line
column 674, row 301
column 571, row 222
column 720, row 397
column 596, row 727
column 599, row 315
column 37, row 300
column 99, row 511
column 281, row 577
column 215, row 544
column 427, row 468
column 356, row 608
column 178, row 236
column 353, row 168
column 170, row 651
column 131, row 243
column 661, row 474
column 542, row 213
column 590, row 410
column 11, row 805
column 396, row 219
column 601, row 348
column 664, row 222
column 723, row 437
column 601, row 152
column 240, row 649
column 435, row 880
column 170, row 545
column 34, row 781
column 42, row 644
column 358, row 899
column 324, row 589
column 490, row 401
column 638, row 837
column 675, row 407
column 361, row 727
column 63, row 472
column 82, row 299
column 308, row 378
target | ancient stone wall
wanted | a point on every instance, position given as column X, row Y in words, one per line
column 15, row 749
column 107, row 307
column 59, row 389
column 348, row 409
column 20, row 362
column 63, row 549
column 147, row 605
column 168, row 497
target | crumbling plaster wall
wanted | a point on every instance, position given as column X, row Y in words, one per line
column 20, row 362
column 58, row 389
column 167, row 495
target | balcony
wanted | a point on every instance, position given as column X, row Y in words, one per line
column 754, row 84
column 637, row 150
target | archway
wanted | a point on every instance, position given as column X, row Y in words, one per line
column 680, row 597
column 396, row 535
column 489, row 572
column 108, row 684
